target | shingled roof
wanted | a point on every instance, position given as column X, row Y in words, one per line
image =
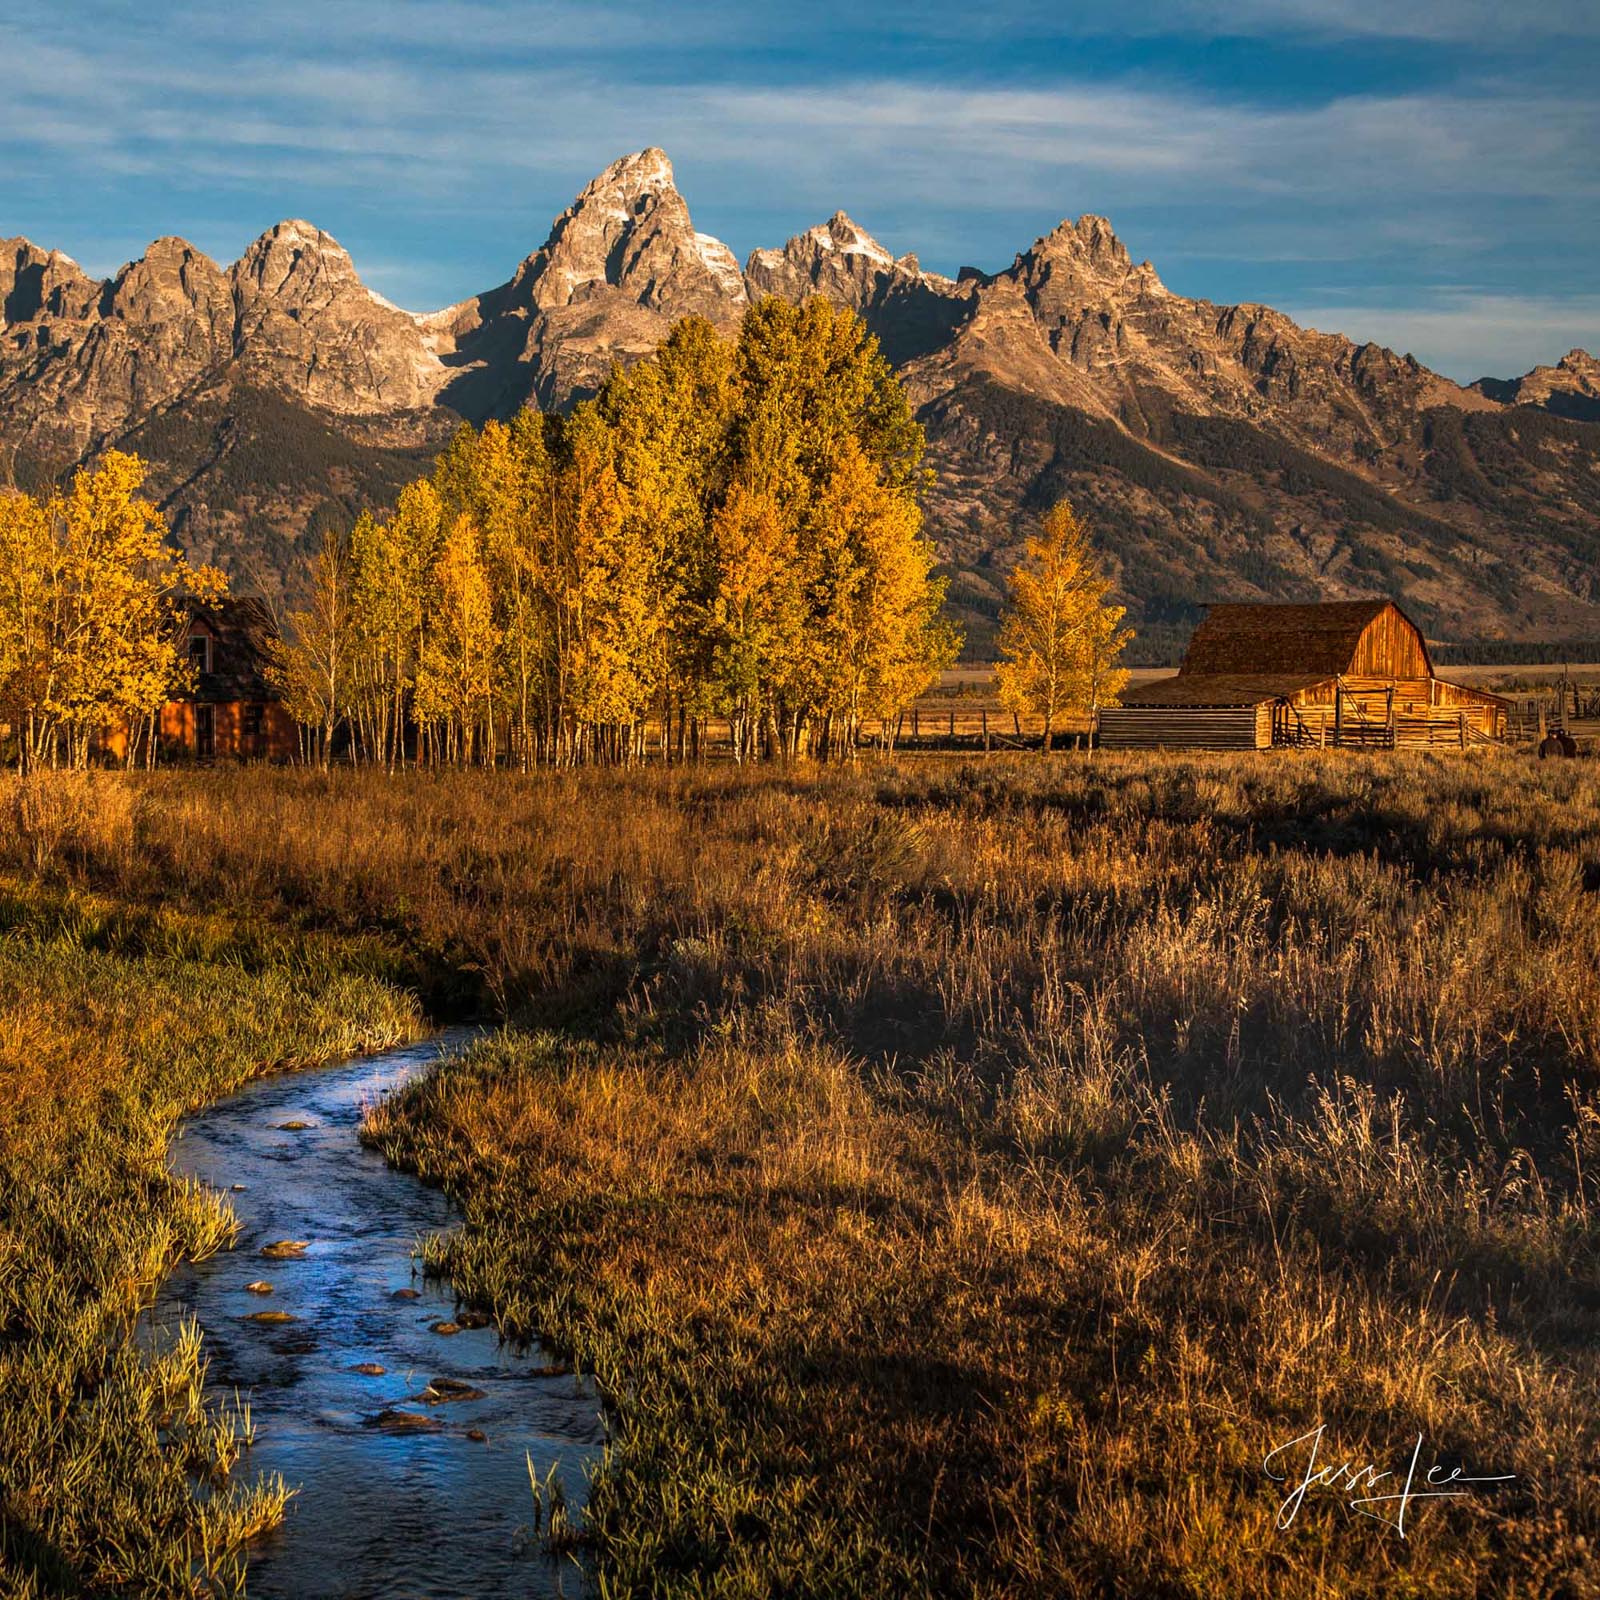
column 1222, row 688
column 1307, row 641
column 242, row 628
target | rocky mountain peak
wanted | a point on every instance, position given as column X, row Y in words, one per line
column 290, row 259
column 304, row 320
column 643, row 170
column 1086, row 250
column 1570, row 388
column 840, row 233
column 172, row 279
column 630, row 230
column 35, row 283
column 837, row 258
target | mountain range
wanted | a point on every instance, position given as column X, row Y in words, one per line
column 1220, row 451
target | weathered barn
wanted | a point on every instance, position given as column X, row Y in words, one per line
column 233, row 710
column 1347, row 672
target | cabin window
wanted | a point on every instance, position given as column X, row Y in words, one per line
column 205, row 731
column 200, row 652
column 252, row 720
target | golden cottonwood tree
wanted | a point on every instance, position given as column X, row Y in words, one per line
column 1060, row 640
column 93, row 616
column 670, row 419
column 29, row 579
column 756, row 611
column 503, row 480
column 821, row 427
column 315, row 661
column 884, row 625
column 612, row 600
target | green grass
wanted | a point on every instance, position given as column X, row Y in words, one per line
column 118, row 1474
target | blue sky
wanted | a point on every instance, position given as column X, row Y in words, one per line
column 1422, row 172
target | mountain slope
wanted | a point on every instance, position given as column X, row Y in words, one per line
column 1219, row 450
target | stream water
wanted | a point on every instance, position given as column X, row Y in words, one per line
column 412, row 1473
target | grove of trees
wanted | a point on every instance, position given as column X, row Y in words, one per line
column 92, row 616
column 730, row 528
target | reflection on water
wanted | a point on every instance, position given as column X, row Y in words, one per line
column 413, row 1479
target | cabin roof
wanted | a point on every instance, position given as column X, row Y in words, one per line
column 242, row 629
column 1253, row 639
column 1223, row 688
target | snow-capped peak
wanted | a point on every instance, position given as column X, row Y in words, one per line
column 721, row 262
column 841, row 234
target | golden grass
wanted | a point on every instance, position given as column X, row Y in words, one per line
column 960, row 1176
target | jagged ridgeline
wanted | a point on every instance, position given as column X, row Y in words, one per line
column 1218, row 451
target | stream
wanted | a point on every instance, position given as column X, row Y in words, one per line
column 413, row 1479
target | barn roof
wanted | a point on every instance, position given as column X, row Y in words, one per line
column 1222, row 688
column 1253, row 639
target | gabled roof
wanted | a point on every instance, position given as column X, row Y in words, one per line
column 1253, row 638
column 1222, row 688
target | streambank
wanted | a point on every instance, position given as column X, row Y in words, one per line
column 404, row 1423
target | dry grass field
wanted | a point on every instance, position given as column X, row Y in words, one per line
column 959, row 1176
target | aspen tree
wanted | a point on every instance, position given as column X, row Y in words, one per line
column 454, row 681
column 1059, row 640
column 670, row 417
column 502, row 478
column 609, row 601
column 885, row 617
column 116, row 616
column 314, row 661
column 757, row 611
column 29, row 575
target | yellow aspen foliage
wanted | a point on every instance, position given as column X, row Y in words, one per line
column 315, row 663
column 884, row 620
column 611, row 613
column 757, row 616
column 455, row 668
column 729, row 528
column 29, row 585
column 1059, row 639
column 92, row 614
column 503, row 479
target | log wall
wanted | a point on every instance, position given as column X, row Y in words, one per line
column 1186, row 728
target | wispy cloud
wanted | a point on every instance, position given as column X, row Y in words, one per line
column 440, row 136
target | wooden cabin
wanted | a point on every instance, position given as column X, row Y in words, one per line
column 1340, row 673
column 233, row 711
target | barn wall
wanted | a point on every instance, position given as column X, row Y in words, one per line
column 1186, row 728
column 1424, row 714
column 1389, row 647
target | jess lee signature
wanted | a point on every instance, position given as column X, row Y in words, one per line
column 1363, row 1487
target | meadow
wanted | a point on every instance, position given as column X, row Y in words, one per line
column 959, row 1175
